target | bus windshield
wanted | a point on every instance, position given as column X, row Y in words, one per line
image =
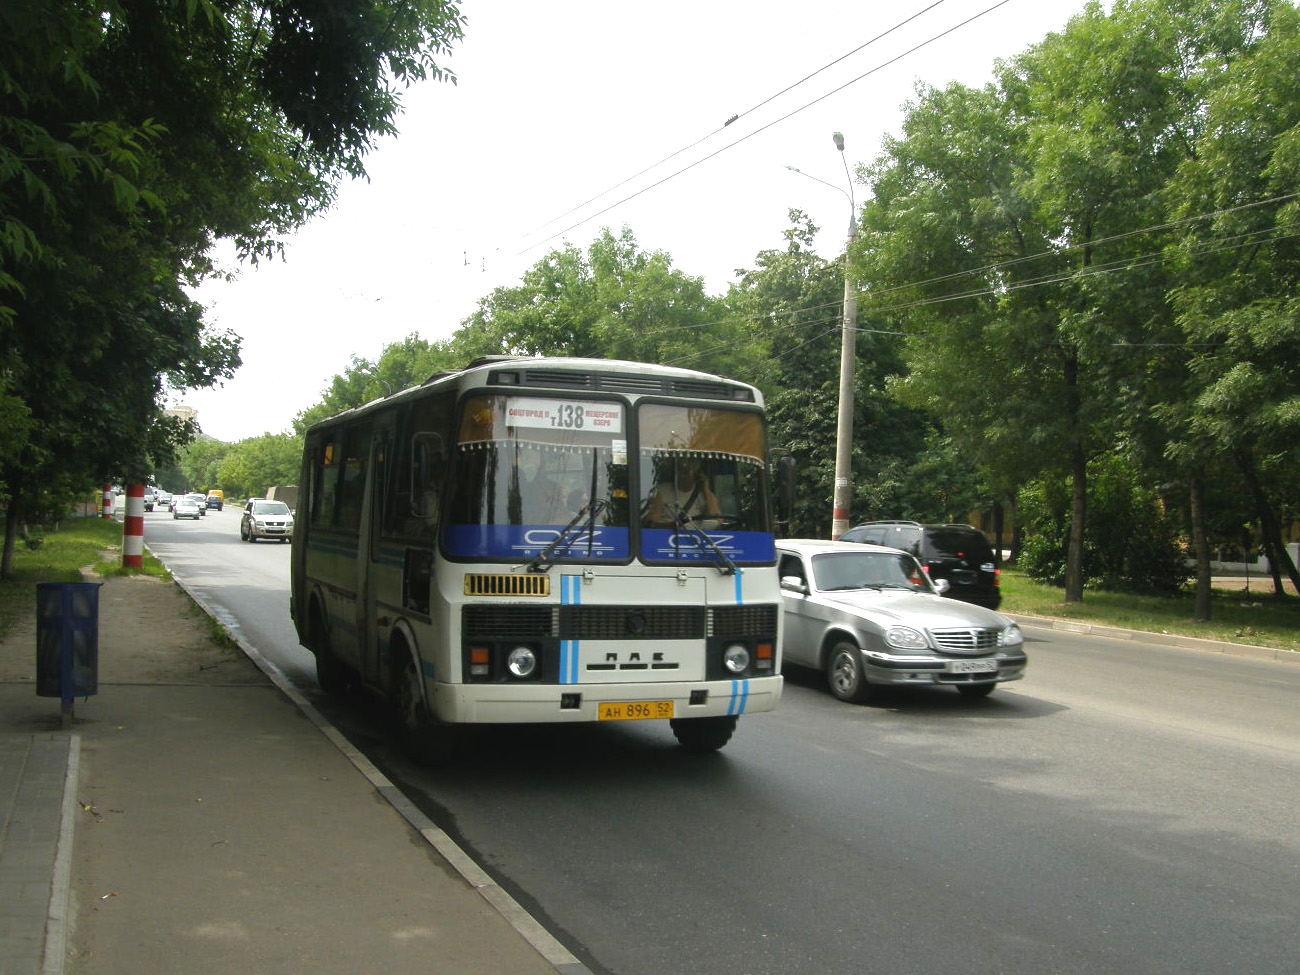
column 526, row 467
column 703, row 465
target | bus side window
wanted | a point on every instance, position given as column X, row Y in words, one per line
column 353, row 482
column 428, row 468
column 324, row 482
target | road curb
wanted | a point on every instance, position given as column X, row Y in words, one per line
column 56, row 920
column 1176, row 640
column 514, row 914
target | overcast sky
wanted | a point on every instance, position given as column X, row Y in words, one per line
column 557, row 103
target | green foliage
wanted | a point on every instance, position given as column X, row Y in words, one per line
column 616, row 301
column 131, row 137
column 1130, row 543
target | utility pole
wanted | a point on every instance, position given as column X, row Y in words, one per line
column 848, row 331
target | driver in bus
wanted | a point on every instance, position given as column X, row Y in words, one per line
column 684, row 493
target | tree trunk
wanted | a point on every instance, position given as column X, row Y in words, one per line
column 998, row 524
column 1078, row 511
column 13, row 518
column 1200, row 545
column 1270, row 530
column 1017, row 536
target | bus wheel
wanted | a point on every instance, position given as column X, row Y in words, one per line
column 423, row 740
column 330, row 674
column 703, row 734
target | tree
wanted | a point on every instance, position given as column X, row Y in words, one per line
column 1237, row 307
column 134, row 133
column 614, row 302
column 787, row 309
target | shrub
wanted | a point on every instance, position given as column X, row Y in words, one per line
column 1130, row 543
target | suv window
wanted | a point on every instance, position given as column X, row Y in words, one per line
column 952, row 542
column 906, row 537
column 958, row 553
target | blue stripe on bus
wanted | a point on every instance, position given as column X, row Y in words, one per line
column 570, row 595
column 739, row 697
column 740, row 590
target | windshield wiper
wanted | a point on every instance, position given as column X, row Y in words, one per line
column 682, row 520
column 542, row 560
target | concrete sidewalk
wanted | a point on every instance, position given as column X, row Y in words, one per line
column 200, row 816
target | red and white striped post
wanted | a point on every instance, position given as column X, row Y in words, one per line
column 106, row 502
column 133, row 528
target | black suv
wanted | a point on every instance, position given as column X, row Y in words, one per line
column 959, row 553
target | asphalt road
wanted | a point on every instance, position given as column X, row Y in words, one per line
column 1126, row 808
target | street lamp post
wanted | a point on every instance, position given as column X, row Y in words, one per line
column 848, row 330
column 843, row 493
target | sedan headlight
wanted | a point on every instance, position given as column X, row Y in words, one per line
column 1011, row 637
column 905, row 638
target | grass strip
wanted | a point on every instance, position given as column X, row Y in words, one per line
column 59, row 556
column 1255, row 618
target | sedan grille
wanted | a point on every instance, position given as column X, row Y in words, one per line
column 969, row 641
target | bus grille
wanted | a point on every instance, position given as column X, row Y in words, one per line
column 965, row 641
column 620, row 622
column 508, row 585
column 508, row 622
column 750, row 621
column 632, row 623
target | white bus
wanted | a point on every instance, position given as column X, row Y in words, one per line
column 544, row 540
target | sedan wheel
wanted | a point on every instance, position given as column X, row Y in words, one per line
column 844, row 673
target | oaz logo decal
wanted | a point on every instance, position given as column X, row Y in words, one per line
column 681, row 540
column 541, row 537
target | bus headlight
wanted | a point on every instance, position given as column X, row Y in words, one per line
column 736, row 658
column 522, row 661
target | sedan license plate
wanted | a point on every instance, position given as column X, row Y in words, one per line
column 635, row 711
column 973, row 666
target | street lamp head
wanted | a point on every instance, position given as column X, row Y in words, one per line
column 839, row 140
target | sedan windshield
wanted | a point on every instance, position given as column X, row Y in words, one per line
column 842, row 571
column 270, row 508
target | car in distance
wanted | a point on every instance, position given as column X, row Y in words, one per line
column 163, row 499
column 216, row 499
column 868, row 617
column 201, row 500
column 266, row 519
column 959, row 554
column 186, row 507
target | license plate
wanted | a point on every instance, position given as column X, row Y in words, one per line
column 973, row 666
column 635, row 711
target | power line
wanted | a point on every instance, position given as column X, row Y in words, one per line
column 764, row 128
column 735, row 118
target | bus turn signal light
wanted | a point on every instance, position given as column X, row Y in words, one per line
column 479, row 661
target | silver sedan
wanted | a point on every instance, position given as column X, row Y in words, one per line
column 868, row 616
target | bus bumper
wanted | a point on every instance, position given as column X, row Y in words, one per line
column 529, row 703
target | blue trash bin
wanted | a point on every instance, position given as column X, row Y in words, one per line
column 67, row 640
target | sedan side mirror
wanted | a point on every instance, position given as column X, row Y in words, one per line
column 941, row 586
column 795, row 584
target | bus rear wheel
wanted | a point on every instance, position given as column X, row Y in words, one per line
column 423, row 739
column 330, row 673
column 703, row 734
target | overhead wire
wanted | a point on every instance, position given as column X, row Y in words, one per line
column 731, row 121
column 1214, row 245
column 764, row 128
